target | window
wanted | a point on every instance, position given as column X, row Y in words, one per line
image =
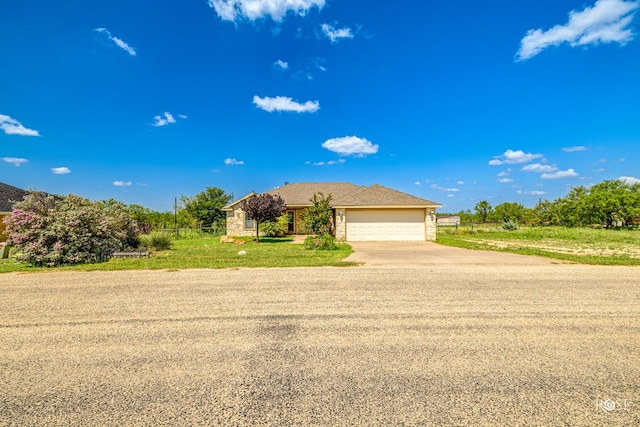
column 249, row 224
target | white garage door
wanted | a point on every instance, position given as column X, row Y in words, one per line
column 387, row 225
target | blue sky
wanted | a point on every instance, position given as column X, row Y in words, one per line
column 456, row 102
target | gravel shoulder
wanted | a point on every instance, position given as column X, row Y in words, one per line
column 421, row 345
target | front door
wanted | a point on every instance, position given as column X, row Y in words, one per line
column 291, row 229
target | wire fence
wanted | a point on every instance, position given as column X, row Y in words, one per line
column 193, row 232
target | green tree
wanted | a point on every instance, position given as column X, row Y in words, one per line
column 318, row 218
column 509, row 212
column 206, row 206
column 612, row 203
column 466, row 216
column 262, row 208
column 571, row 210
column 543, row 213
column 483, row 210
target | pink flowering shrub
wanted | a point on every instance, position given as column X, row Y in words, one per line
column 49, row 231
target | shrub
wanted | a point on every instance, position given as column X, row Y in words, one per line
column 276, row 228
column 509, row 225
column 50, row 231
column 318, row 218
column 324, row 242
column 157, row 241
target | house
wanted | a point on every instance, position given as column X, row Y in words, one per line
column 446, row 221
column 8, row 195
column 361, row 213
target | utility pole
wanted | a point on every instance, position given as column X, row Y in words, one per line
column 175, row 214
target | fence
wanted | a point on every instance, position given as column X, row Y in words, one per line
column 470, row 226
column 215, row 230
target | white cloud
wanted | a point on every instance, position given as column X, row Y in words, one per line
column 233, row 162
column 165, row 119
column 235, row 10
column 460, row 182
column 505, row 180
column 11, row 126
column 505, row 173
column 61, row 170
column 183, row 116
column 282, row 103
column 444, row 189
column 607, row 21
column 281, row 65
column 514, row 157
column 574, row 149
column 335, row 34
column 329, row 163
column 16, row 161
column 418, row 183
column 119, row 42
column 532, row 193
column 122, row 183
column 539, row 168
column 569, row 173
column 351, row 145
column 629, row 180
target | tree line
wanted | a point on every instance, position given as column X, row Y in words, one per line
column 609, row 204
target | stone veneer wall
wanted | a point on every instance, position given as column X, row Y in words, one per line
column 340, row 223
column 235, row 223
column 431, row 225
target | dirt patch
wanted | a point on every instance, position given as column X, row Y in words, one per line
column 561, row 246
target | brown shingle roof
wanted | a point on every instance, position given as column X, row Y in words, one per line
column 344, row 194
column 378, row 195
column 299, row 193
column 8, row 195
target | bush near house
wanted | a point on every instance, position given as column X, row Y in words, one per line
column 277, row 228
column 323, row 242
column 51, row 231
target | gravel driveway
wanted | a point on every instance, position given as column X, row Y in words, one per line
column 437, row 345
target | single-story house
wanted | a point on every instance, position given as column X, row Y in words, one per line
column 361, row 213
column 8, row 195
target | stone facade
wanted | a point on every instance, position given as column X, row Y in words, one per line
column 431, row 225
column 236, row 223
column 340, row 222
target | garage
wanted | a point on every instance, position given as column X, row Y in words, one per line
column 385, row 225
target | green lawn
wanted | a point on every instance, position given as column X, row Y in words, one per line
column 208, row 252
column 580, row 245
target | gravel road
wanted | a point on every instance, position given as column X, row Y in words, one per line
column 443, row 345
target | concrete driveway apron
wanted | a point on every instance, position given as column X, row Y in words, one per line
column 405, row 254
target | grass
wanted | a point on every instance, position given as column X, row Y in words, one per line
column 208, row 252
column 579, row 245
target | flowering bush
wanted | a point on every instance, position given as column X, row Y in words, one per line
column 50, row 231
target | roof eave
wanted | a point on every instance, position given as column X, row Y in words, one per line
column 386, row 206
